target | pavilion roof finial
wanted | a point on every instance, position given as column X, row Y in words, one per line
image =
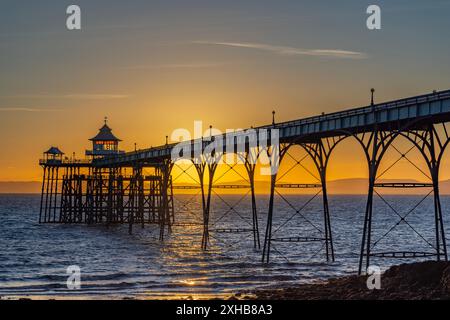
column 105, row 133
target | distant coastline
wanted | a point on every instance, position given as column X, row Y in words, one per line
column 352, row 186
column 23, row 187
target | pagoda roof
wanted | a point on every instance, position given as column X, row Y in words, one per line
column 105, row 134
column 54, row 150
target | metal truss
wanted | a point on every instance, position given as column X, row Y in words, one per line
column 319, row 151
column 207, row 184
column 431, row 141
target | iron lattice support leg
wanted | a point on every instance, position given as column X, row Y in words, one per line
column 373, row 159
column 50, row 202
column 206, row 196
column 133, row 194
column 119, row 199
column 171, row 205
column 56, row 194
column 205, row 238
column 42, row 194
column 47, row 192
column 62, row 206
column 90, row 200
column 165, row 216
column 111, row 180
column 434, row 164
column 256, row 240
column 250, row 158
column 140, row 189
column 268, row 236
column 165, row 207
column 329, row 248
column 365, row 244
column 439, row 225
column 78, row 197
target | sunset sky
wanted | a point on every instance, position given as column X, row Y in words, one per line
column 154, row 66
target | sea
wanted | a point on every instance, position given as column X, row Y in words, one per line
column 37, row 260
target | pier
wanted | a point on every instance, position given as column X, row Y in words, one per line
column 111, row 187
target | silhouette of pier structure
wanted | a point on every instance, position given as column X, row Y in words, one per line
column 110, row 186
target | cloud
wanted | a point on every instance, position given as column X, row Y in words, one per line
column 95, row 96
column 176, row 66
column 290, row 51
column 24, row 109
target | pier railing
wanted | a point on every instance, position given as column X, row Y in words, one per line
column 56, row 162
column 435, row 105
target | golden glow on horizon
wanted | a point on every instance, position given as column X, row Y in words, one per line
column 162, row 67
column 347, row 162
column 152, row 109
column 176, row 100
